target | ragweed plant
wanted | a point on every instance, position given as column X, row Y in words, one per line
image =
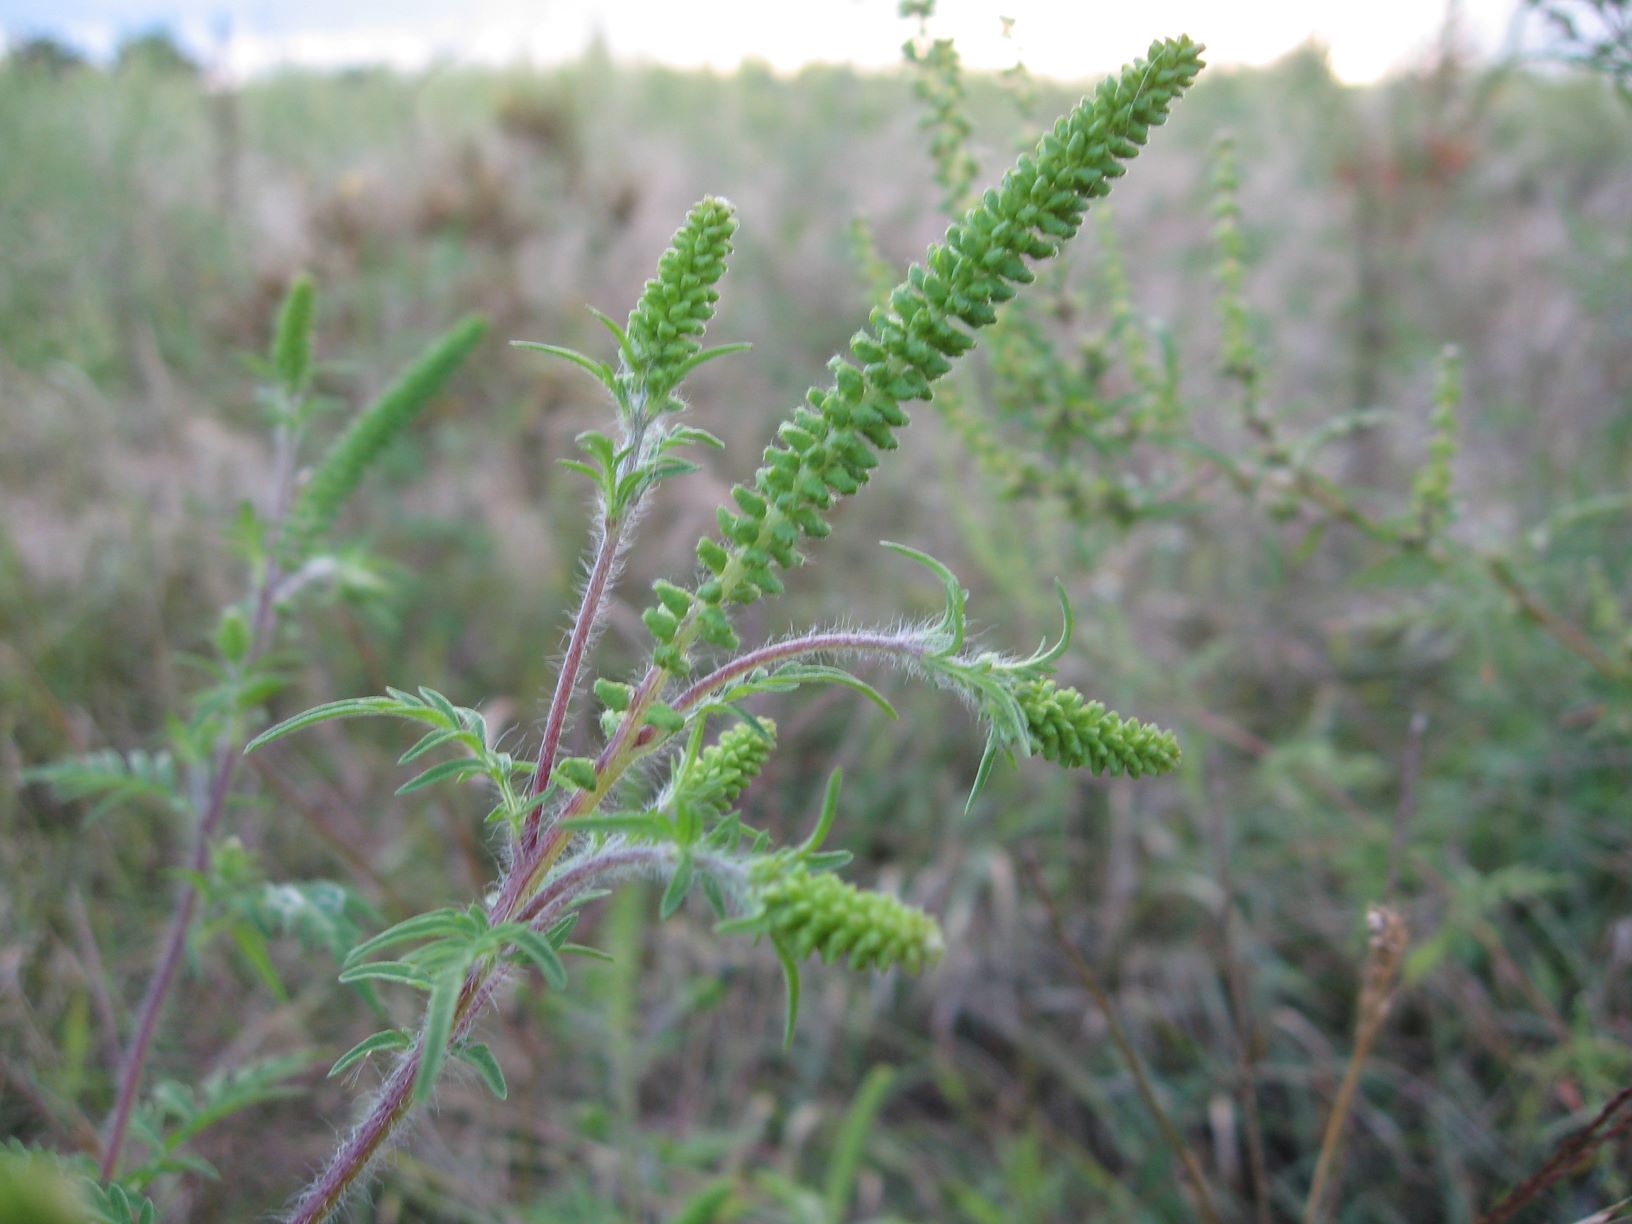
column 574, row 826
column 288, row 546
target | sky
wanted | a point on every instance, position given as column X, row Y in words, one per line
column 1064, row 39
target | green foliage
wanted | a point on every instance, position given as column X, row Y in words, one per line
column 1595, row 34
column 112, row 779
column 449, row 726
column 850, row 1144
column 939, row 86
column 454, row 941
column 292, row 341
column 1431, row 501
column 35, row 1189
column 175, row 1113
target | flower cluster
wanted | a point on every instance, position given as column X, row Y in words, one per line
column 1432, row 502
column 1067, row 729
column 665, row 326
column 828, row 448
column 809, row 912
column 725, row 768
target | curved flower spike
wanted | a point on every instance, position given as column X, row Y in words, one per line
column 829, row 446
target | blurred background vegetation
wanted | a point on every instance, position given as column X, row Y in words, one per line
column 149, row 224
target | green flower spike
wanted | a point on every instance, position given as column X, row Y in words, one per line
column 1432, row 504
column 1073, row 732
column 341, row 470
column 724, row 769
column 658, row 346
column 829, row 447
column 808, row 913
column 661, row 340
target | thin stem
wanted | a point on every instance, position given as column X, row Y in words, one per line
column 1565, row 631
column 393, row 1104
column 1567, row 1156
column 545, row 904
column 224, row 769
column 566, row 681
column 1386, row 950
column 395, row 1100
column 96, row 974
column 1246, row 1037
column 531, row 863
column 1147, row 1092
column 158, row 987
column 838, row 642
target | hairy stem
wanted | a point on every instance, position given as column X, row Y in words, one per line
column 395, row 1100
column 393, row 1104
column 837, row 642
column 566, row 682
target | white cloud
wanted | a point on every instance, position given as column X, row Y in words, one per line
column 1058, row 38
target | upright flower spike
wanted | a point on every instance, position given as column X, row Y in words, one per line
column 342, row 469
column 1074, row 732
column 1432, row 504
column 829, row 446
column 661, row 340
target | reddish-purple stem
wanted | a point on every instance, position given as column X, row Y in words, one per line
column 158, row 988
column 838, row 642
column 395, row 1099
column 566, row 682
column 396, row 1096
column 215, row 807
column 542, row 842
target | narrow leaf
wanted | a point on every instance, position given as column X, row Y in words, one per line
column 461, row 768
column 599, row 370
column 487, row 1066
column 830, row 808
column 389, row 971
column 389, row 1039
column 436, row 923
column 354, row 707
column 537, row 949
column 790, row 976
column 679, row 887
column 431, row 739
column 438, row 1028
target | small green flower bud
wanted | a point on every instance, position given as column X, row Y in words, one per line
column 578, row 772
column 661, row 622
column 676, row 600
column 664, row 717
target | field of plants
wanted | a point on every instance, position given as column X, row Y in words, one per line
column 730, row 865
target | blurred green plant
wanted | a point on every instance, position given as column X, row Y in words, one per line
column 286, row 547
